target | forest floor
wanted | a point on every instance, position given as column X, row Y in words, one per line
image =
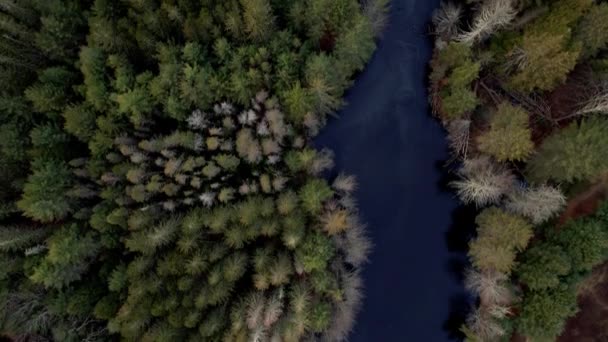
column 591, row 322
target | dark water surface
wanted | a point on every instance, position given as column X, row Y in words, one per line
column 386, row 137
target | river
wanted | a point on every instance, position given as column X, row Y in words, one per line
column 387, row 138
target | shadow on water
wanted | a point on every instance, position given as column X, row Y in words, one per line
column 462, row 229
column 387, row 138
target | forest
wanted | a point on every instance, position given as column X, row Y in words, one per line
column 522, row 90
column 157, row 173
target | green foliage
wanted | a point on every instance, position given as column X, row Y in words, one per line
column 527, row 67
column 456, row 68
column 70, row 252
column 313, row 194
column 187, row 190
column 592, row 31
column 298, row 103
column 543, row 265
column 500, row 236
column 552, row 269
column 320, row 316
column 459, row 101
column 355, row 45
column 80, row 121
column 49, row 143
column 585, row 242
column 16, row 238
column 315, row 251
column 574, row 153
column 544, row 313
column 546, row 48
column 45, row 193
column 92, row 66
column 50, row 93
column 509, row 137
column 258, row 19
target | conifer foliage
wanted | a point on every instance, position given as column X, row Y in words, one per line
column 519, row 87
column 160, row 185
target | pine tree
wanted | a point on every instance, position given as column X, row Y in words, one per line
column 69, row 256
column 585, row 242
column 315, row 251
column 313, row 194
column 93, row 68
column 543, row 265
column 18, row 238
column 572, row 154
column 45, row 193
column 547, row 55
column 80, row 121
column 258, row 19
column 544, row 313
column 592, row 31
column 456, row 66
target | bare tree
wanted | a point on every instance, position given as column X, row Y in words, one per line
column 458, row 136
column 484, row 326
column 256, row 304
column 597, row 104
column 345, row 183
column 491, row 16
column 346, row 310
column 483, row 181
column 358, row 244
column 376, row 12
column 490, row 286
column 446, row 19
column 324, row 160
column 537, row 204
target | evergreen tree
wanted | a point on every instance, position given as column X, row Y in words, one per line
column 574, row 153
column 69, row 256
column 45, row 193
column 258, row 19
column 593, row 30
column 545, row 56
column 459, row 71
column 585, row 242
column 500, row 236
column 509, row 137
column 543, row 265
column 544, row 313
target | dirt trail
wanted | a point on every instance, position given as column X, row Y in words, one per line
column 591, row 322
column 585, row 203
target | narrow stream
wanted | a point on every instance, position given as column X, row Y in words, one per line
column 386, row 137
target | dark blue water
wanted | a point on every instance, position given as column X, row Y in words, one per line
column 387, row 138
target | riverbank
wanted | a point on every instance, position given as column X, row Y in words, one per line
column 520, row 88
